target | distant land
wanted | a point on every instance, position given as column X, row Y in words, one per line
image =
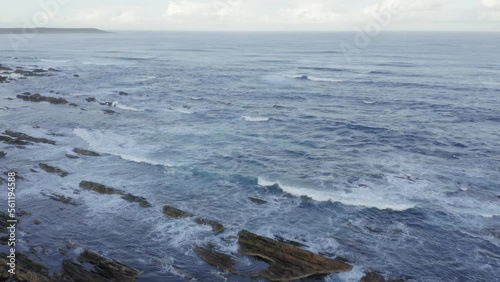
column 50, row 30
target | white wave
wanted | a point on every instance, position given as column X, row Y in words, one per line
column 121, row 146
column 116, row 104
column 315, row 78
column 360, row 197
column 368, row 102
column 249, row 118
column 101, row 63
column 53, row 61
column 182, row 110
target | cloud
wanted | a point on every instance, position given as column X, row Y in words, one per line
column 491, row 4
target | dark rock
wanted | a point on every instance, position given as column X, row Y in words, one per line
column 39, row 98
column 135, row 199
column 3, row 79
column 372, row 277
column 90, row 99
column 27, row 73
column 104, row 269
column 175, row 213
column 27, row 270
column 257, row 201
column 109, row 104
column 123, row 93
column 13, row 141
column 109, row 112
column 76, row 75
column 2, row 68
column 2, row 154
column 61, row 198
column 216, row 226
column 71, row 156
column 73, row 104
column 102, row 189
column 84, row 152
column 24, row 137
column 287, row 262
column 36, row 221
column 53, row 169
column 54, row 70
column 99, row 188
column 220, row 260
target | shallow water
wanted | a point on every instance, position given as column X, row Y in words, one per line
column 396, row 152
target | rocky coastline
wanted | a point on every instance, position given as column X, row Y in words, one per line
column 285, row 260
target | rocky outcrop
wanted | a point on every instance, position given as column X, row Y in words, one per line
column 220, row 260
column 21, row 139
column 372, row 277
column 27, row 270
column 287, row 262
column 103, row 189
column 53, row 169
column 39, row 98
column 84, row 152
column 105, row 269
column 2, row 154
column 177, row 213
column 61, row 198
column 257, row 201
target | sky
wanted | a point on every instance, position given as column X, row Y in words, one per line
column 255, row 15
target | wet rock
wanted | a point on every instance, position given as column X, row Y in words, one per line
column 109, row 112
column 90, row 99
column 177, row 213
column 372, row 277
column 27, row 270
column 84, row 152
column 4, row 79
column 103, row 189
column 54, row 70
column 13, row 141
column 105, row 269
column 123, row 93
column 25, row 137
column 76, row 75
column 216, row 226
column 257, row 201
column 73, row 104
column 61, row 198
column 3, row 68
column 2, row 154
column 182, row 272
column 71, row 156
column 36, row 221
column 53, row 169
column 287, row 262
column 136, row 199
column 39, row 98
column 220, row 260
column 27, row 73
column 99, row 188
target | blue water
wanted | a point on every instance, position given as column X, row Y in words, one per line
column 390, row 159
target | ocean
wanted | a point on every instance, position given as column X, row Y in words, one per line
column 388, row 157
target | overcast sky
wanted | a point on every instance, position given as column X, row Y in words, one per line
column 475, row 15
